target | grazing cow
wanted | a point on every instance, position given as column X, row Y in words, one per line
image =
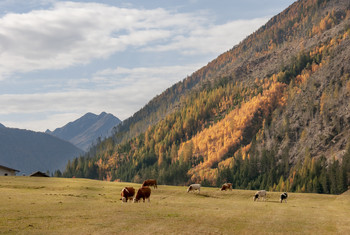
column 127, row 193
column 150, row 182
column 194, row 187
column 144, row 193
column 260, row 194
column 284, row 196
column 226, row 186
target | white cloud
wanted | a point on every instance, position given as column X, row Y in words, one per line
column 161, row 75
column 212, row 39
column 73, row 33
column 121, row 91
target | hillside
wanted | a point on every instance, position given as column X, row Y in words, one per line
column 85, row 131
column 270, row 113
column 29, row 151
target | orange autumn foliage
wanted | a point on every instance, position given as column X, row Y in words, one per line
column 214, row 143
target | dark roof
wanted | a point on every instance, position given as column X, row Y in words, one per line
column 39, row 174
column 8, row 168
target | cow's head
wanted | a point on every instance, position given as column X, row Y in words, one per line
column 189, row 189
column 123, row 199
column 256, row 196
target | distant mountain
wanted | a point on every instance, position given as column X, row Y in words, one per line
column 29, row 151
column 87, row 129
column 1, row 126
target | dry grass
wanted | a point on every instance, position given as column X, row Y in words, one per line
column 80, row 206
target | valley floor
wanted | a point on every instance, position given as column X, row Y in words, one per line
column 81, row 206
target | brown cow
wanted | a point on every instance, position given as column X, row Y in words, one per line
column 127, row 193
column 226, row 186
column 144, row 193
column 150, row 182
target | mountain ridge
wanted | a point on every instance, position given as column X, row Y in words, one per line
column 85, row 130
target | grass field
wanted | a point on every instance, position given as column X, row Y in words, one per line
column 81, row 206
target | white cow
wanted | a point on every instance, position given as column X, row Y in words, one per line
column 193, row 187
column 260, row 194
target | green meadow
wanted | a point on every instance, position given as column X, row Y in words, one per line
column 82, row 206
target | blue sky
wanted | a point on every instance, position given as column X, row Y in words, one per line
column 62, row 59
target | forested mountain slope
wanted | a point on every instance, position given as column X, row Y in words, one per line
column 270, row 113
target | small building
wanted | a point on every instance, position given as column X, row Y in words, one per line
column 38, row 174
column 6, row 171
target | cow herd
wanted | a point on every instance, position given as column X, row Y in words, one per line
column 144, row 192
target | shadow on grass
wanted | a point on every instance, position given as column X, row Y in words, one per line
column 205, row 195
column 273, row 202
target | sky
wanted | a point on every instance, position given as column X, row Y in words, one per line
column 62, row 59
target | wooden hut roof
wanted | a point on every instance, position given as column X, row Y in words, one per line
column 38, row 174
column 8, row 168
